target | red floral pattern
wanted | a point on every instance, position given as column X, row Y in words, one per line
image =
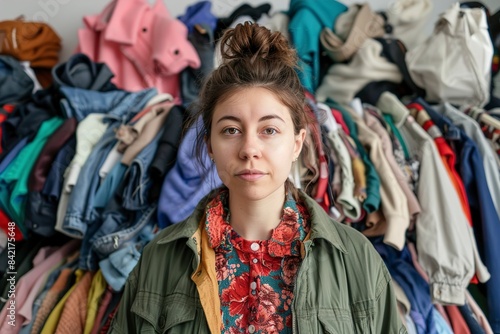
column 256, row 283
column 290, row 266
column 221, row 266
column 237, row 295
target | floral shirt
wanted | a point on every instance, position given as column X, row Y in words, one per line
column 256, row 278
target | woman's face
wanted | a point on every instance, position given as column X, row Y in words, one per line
column 253, row 143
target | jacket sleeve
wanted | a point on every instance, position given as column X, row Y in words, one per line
column 387, row 318
column 124, row 320
column 446, row 245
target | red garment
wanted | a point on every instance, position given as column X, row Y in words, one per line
column 256, row 278
column 9, row 108
column 449, row 158
column 340, row 120
column 458, row 323
column 9, row 230
column 309, row 95
column 493, row 134
column 5, row 111
column 107, row 325
column 322, row 183
column 105, row 301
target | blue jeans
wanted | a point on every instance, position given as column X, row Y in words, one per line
column 106, row 244
column 129, row 200
column 116, row 232
column 137, row 180
column 117, row 104
column 118, row 265
column 80, row 203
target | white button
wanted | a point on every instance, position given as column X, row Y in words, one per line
column 255, row 246
column 253, row 285
column 255, row 260
column 251, row 329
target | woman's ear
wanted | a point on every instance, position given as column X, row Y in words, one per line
column 209, row 146
column 299, row 142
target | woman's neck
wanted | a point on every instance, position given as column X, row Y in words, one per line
column 255, row 220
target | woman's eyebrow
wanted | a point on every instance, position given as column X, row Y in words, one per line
column 272, row 116
column 263, row 118
column 229, row 118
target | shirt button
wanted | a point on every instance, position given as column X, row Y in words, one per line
column 255, row 260
column 255, row 246
column 253, row 285
column 251, row 329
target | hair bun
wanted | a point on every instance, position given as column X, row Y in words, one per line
column 252, row 42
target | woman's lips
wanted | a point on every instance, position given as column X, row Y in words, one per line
column 250, row 175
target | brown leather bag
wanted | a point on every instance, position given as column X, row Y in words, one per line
column 35, row 42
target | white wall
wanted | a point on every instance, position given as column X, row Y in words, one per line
column 65, row 16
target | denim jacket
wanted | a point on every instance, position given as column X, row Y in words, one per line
column 129, row 209
column 342, row 285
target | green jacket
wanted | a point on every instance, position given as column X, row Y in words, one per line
column 342, row 285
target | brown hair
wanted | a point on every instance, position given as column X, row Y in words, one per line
column 252, row 56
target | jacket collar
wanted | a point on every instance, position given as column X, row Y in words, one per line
column 185, row 229
column 322, row 225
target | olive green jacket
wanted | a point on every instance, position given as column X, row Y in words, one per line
column 342, row 285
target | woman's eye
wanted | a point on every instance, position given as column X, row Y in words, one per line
column 230, row 131
column 270, row 131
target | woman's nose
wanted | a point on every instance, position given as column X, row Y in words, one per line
column 250, row 147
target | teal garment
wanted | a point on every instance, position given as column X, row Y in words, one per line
column 307, row 19
column 373, row 199
column 14, row 179
column 399, row 137
column 342, row 284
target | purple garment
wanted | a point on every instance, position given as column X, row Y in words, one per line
column 186, row 183
column 199, row 13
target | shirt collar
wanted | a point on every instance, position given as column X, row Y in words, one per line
column 322, row 226
column 285, row 238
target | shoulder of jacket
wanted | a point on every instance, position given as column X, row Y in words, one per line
column 354, row 241
column 169, row 236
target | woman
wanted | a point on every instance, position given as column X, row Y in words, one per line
column 257, row 256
